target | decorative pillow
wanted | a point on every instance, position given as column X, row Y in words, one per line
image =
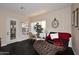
column 54, row 36
column 48, row 39
column 51, row 37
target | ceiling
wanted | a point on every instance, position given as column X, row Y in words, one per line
column 33, row 9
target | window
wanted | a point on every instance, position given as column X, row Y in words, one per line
column 42, row 23
column 24, row 28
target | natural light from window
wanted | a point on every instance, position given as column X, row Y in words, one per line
column 42, row 23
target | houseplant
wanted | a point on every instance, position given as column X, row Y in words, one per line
column 38, row 28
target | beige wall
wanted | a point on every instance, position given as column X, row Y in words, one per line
column 62, row 15
column 75, row 33
column 4, row 14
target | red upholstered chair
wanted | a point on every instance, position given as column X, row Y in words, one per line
column 62, row 40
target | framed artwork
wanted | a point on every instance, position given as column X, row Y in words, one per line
column 76, row 18
column 12, row 29
column 73, row 19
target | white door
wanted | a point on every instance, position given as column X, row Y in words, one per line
column 11, row 30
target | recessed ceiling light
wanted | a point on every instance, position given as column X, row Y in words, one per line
column 21, row 7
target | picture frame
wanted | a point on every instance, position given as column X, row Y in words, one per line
column 13, row 29
column 76, row 18
column 73, row 18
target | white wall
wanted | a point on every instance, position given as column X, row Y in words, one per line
column 62, row 15
column 4, row 14
column 75, row 33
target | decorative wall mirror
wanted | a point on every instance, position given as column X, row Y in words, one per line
column 55, row 23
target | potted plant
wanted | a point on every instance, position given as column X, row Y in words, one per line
column 38, row 28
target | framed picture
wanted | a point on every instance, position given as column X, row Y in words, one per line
column 76, row 18
column 73, row 19
column 12, row 29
